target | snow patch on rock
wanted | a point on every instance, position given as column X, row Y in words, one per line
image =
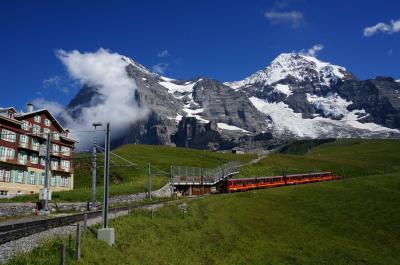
column 224, row 126
column 286, row 121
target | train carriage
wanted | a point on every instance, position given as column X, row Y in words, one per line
column 243, row 184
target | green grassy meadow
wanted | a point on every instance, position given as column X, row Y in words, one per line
column 351, row 221
column 348, row 158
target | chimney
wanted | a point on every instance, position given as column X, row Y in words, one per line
column 29, row 107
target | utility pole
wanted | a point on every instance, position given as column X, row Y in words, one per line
column 106, row 175
column 172, row 182
column 94, row 165
column 46, row 191
column 106, row 234
column 149, row 180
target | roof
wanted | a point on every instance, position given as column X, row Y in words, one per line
column 266, row 177
column 10, row 120
column 52, row 118
column 68, row 139
column 8, row 108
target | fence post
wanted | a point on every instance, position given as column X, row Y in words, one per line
column 62, row 254
column 69, row 245
column 78, row 242
column 85, row 221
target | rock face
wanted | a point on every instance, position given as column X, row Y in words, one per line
column 296, row 96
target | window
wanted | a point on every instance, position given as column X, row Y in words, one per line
column 25, row 126
column 32, row 177
column 45, row 132
column 8, row 136
column 22, row 157
column 37, row 118
column 43, row 161
column 42, row 179
column 64, row 182
column 56, row 136
column 5, row 175
column 55, row 148
column 35, row 143
column 66, row 150
column 6, row 153
column 36, row 129
column 65, row 165
column 54, row 165
column 34, row 159
column 53, row 180
column 23, row 140
column 47, row 122
column 19, row 176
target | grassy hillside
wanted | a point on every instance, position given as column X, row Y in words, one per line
column 353, row 221
column 127, row 179
column 349, row 158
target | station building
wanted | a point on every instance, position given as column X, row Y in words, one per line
column 22, row 136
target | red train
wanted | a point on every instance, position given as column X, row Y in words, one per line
column 244, row 184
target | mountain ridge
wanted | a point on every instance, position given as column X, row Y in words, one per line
column 296, row 96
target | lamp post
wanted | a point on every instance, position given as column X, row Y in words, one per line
column 94, row 164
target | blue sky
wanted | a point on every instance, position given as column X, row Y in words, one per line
column 226, row 40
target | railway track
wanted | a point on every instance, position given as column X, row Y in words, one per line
column 16, row 231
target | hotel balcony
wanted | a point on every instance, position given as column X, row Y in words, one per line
column 28, row 146
column 14, row 161
column 62, row 169
column 23, row 145
column 58, row 154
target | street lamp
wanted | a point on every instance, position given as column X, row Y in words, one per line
column 94, row 164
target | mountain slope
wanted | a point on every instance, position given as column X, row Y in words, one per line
column 296, row 96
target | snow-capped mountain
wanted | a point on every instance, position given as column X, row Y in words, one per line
column 295, row 96
column 300, row 68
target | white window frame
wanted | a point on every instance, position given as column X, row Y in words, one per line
column 8, row 135
column 19, row 176
column 54, row 164
column 34, row 158
column 35, row 143
column 32, row 178
column 65, row 164
column 47, row 122
column 36, row 129
column 45, row 132
column 37, row 119
column 65, row 150
column 25, row 125
column 6, row 153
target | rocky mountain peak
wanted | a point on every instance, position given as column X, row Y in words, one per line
column 137, row 65
column 296, row 66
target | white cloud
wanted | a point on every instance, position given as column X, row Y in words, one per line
column 163, row 53
column 392, row 27
column 115, row 101
column 160, row 68
column 55, row 108
column 294, row 18
column 313, row 50
column 56, row 82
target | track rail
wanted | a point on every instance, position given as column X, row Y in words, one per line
column 19, row 230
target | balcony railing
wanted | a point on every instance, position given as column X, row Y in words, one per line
column 65, row 169
column 23, row 145
column 22, row 162
column 35, row 147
